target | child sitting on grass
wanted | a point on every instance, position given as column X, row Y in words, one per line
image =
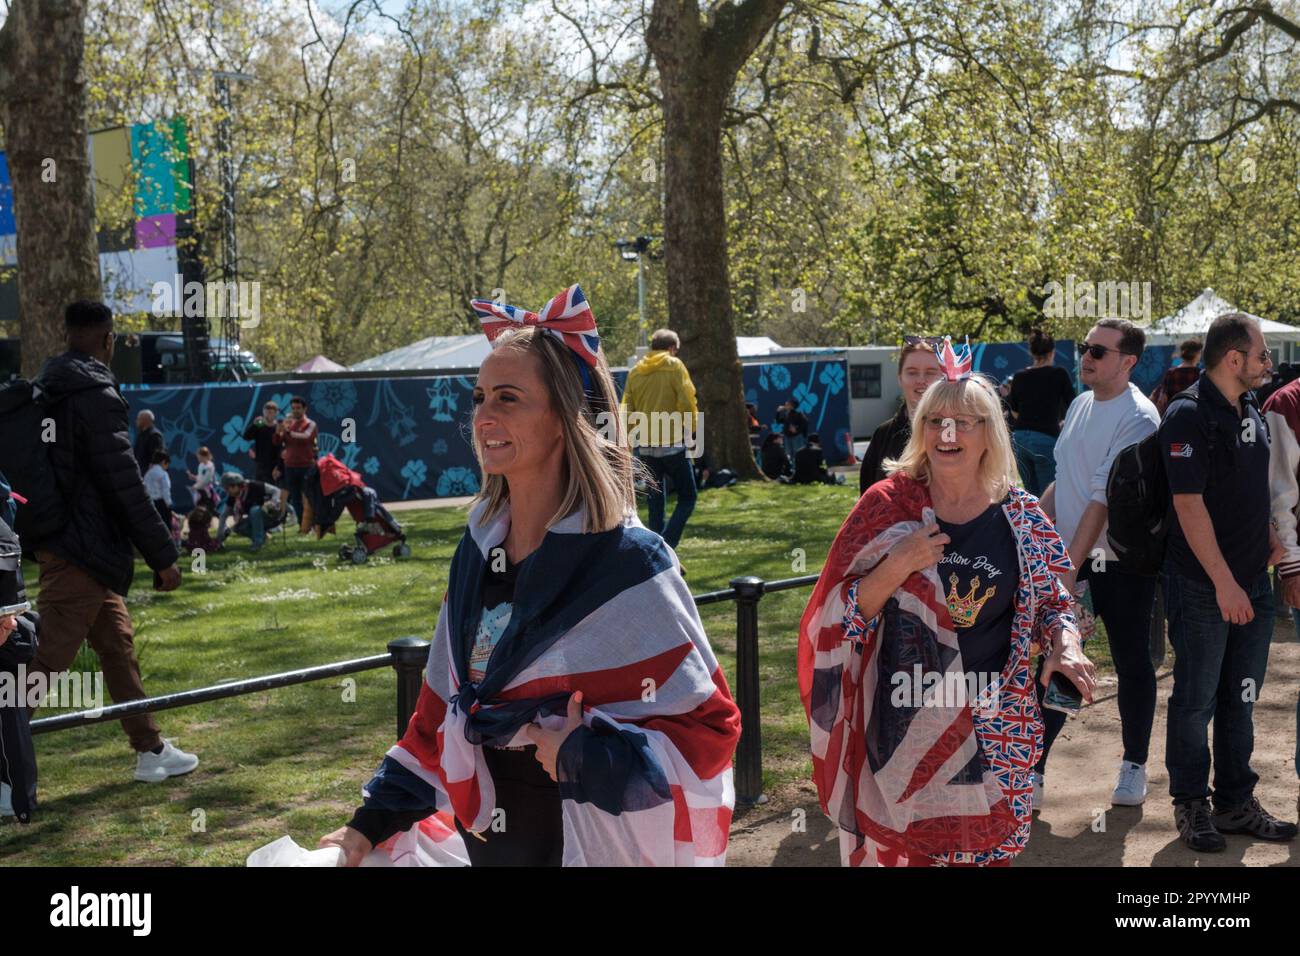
column 199, row 530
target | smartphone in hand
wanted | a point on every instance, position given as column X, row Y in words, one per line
column 1062, row 695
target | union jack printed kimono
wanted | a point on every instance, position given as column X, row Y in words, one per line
column 647, row 779
column 931, row 784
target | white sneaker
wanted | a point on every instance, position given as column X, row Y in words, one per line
column 1038, row 792
column 6, row 801
column 172, row 762
column 1131, row 787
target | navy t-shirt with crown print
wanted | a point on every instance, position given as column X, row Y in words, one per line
column 980, row 571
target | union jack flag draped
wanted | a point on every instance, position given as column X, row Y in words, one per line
column 647, row 779
column 928, row 784
column 567, row 316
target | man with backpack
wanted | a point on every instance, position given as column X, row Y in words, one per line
column 1215, row 449
column 1110, row 415
column 88, row 508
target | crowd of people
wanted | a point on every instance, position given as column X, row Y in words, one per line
column 282, row 451
column 943, row 481
column 536, row 737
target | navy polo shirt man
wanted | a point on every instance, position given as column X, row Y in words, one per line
column 1217, row 591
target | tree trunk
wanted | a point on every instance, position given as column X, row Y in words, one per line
column 43, row 109
column 698, row 63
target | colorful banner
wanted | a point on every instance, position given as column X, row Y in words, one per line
column 142, row 203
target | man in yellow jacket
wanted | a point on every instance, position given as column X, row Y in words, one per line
column 663, row 422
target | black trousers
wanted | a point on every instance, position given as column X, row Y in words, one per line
column 528, row 829
column 1124, row 603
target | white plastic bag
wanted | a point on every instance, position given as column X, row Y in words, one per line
column 285, row 852
column 431, row 842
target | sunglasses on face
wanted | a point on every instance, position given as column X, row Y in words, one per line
column 963, row 425
column 1263, row 357
column 1098, row 352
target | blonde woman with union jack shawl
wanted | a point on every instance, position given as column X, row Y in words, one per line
column 914, row 650
column 572, row 711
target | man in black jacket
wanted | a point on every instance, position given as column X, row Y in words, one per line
column 87, row 565
column 794, row 426
column 148, row 440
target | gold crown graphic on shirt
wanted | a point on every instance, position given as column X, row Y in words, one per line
column 964, row 610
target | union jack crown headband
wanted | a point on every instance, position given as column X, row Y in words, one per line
column 567, row 316
column 955, row 367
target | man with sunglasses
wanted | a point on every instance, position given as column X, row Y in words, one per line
column 1217, row 590
column 1111, row 414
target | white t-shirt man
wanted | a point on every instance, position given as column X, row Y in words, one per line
column 1093, row 434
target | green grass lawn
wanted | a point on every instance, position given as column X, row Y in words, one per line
column 293, row 760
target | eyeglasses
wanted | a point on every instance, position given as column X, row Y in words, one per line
column 1098, row 352
column 962, row 425
column 1264, row 357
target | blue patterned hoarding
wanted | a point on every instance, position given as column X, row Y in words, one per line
column 411, row 435
column 819, row 391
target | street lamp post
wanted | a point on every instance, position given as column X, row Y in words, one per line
column 229, row 350
column 637, row 249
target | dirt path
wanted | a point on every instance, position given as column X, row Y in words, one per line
column 1080, row 775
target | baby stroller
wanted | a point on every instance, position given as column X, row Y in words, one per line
column 330, row 489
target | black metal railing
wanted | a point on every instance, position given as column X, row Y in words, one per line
column 408, row 656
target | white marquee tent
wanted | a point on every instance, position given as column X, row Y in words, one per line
column 1195, row 317
column 435, row 352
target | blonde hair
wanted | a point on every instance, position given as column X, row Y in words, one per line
column 598, row 471
column 976, row 396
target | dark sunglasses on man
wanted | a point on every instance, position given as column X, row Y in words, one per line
column 1098, row 352
column 1263, row 358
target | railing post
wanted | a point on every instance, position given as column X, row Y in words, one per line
column 410, row 656
column 749, row 753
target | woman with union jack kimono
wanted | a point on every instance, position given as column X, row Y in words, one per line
column 914, row 651
column 572, row 712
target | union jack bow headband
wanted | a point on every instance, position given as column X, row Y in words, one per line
column 955, row 366
column 567, row 316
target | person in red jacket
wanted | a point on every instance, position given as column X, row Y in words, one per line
column 297, row 434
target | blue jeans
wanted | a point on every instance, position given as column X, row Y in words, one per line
column 252, row 525
column 1218, row 673
column 678, row 468
column 1036, row 459
column 793, row 443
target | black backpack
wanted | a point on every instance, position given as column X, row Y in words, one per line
column 1138, row 500
column 27, row 467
